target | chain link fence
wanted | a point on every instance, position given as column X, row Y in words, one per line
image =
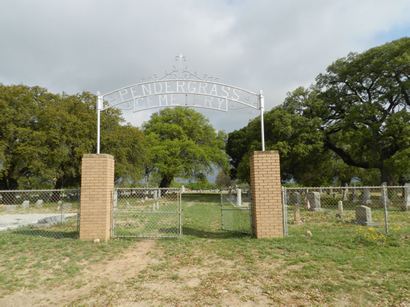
column 382, row 208
column 48, row 213
column 147, row 212
column 236, row 211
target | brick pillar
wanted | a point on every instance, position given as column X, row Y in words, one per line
column 97, row 184
column 267, row 213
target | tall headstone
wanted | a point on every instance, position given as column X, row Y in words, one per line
column 239, row 197
column 364, row 216
column 296, row 215
column 407, row 197
column 366, row 197
column 340, row 207
column 354, row 195
column 344, row 192
column 314, row 201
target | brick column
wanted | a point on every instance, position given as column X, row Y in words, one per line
column 267, row 214
column 97, row 184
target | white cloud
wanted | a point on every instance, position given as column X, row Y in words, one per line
column 101, row 45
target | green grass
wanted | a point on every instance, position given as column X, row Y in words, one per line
column 340, row 264
column 30, row 258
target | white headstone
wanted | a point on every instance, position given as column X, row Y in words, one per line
column 340, row 207
column 25, row 204
column 344, row 193
column 407, row 196
column 183, row 189
column 239, row 197
column 39, row 203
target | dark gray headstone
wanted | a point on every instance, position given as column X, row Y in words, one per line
column 294, row 198
column 314, row 201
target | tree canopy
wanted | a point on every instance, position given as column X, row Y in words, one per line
column 43, row 137
column 183, row 144
column 354, row 121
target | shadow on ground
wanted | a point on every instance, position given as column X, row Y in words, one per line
column 46, row 233
column 199, row 233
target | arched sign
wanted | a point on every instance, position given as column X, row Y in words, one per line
column 180, row 87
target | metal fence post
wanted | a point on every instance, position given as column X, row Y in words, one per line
column 180, row 212
column 285, row 212
column 386, row 218
column 221, row 206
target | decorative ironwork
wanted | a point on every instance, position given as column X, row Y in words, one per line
column 180, row 87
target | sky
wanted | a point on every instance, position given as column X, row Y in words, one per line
column 274, row 46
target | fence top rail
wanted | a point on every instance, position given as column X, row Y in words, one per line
column 345, row 187
column 44, row 190
column 147, row 189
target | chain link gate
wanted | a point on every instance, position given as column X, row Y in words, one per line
column 147, row 213
column 236, row 211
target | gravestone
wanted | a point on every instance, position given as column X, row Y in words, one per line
column 296, row 216
column 239, row 197
column 354, row 195
column 340, row 207
column 314, row 201
column 366, row 197
column 25, row 204
column 66, row 206
column 294, row 198
column 364, row 216
column 406, row 204
column 39, row 203
column 344, row 193
column 183, row 189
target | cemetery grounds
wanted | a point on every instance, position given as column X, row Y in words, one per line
column 325, row 262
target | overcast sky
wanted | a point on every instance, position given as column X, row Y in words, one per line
column 101, row 45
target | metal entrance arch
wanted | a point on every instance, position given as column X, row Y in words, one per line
column 180, row 87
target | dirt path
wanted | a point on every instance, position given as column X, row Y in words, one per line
column 97, row 276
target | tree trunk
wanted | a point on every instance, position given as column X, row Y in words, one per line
column 386, row 176
column 165, row 181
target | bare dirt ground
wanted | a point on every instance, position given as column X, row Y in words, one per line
column 98, row 276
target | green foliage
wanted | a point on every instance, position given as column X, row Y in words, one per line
column 353, row 122
column 223, row 180
column 44, row 137
column 364, row 102
column 183, row 144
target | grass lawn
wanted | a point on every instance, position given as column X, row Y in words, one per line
column 341, row 264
